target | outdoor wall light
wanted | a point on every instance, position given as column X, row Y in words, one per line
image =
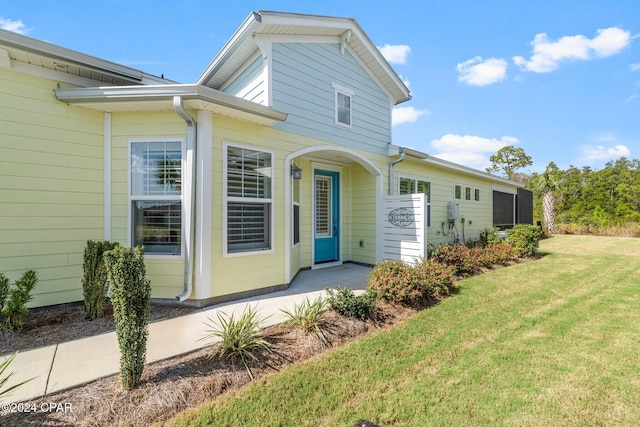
column 296, row 172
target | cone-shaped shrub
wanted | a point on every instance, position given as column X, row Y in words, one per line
column 94, row 279
column 131, row 298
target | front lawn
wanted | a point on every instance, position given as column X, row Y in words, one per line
column 551, row 342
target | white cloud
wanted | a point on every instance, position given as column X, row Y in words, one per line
column 404, row 80
column 547, row 55
column 479, row 72
column 601, row 152
column 469, row 150
column 406, row 115
column 395, row 54
column 15, row 26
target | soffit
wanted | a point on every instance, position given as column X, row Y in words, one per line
column 48, row 56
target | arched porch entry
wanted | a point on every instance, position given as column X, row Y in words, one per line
column 339, row 219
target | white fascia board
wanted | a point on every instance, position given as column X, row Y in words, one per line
column 237, row 39
column 470, row 171
column 165, row 93
column 49, row 50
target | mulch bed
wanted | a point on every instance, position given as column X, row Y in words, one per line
column 57, row 324
column 173, row 385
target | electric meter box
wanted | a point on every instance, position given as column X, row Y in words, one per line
column 453, row 210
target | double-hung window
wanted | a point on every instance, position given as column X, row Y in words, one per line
column 249, row 188
column 156, row 196
column 413, row 186
column 343, row 110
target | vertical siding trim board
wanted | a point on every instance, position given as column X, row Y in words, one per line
column 266, row 49
column 107, row 176
column 204, row 194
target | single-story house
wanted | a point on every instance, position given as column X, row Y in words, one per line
column 278, row 158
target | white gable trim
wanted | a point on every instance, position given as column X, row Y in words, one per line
column 266, row 49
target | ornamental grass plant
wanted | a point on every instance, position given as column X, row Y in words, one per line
column 240, row 337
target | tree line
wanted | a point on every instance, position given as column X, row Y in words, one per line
column 585, row 197
column 605, row 197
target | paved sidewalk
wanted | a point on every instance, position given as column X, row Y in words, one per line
column 69, row 364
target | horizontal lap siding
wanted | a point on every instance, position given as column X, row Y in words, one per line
column 442, row 182
column 363, row 216
column 166, row 275
column 302, row 87
column 250, row 83
column 239, row 273
column 51, row 186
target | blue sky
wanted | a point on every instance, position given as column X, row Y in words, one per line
column 560, row 79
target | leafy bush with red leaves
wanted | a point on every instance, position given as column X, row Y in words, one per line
column 438, row 279
column 458, row 256
column 395, row 281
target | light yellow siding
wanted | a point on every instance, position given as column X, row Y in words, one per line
column 477, row 215
column 233, row 273
column 166, row 274
column 51, row 185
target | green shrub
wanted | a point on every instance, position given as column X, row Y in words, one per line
column 4, row 378
column 437, row 279
column 240, row 338
column 131, row 299
column 525, row 239
column 395, row 281
column 14, row 300
column 307, row 316
column 458, row 256
column 94, row 279
column 4, row 292
column 347, row 303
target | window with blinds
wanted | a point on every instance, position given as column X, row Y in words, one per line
column 248, row 189
column 156, row 196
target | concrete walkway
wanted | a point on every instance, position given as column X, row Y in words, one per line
column 73, row 363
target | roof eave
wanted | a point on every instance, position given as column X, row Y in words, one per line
column 42, row 48
column 99, row 96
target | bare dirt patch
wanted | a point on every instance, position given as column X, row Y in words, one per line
column 171, row 386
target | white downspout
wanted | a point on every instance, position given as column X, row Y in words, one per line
column 391, row 165
column 190, row 172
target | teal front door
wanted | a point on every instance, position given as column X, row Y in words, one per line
column 326, row 216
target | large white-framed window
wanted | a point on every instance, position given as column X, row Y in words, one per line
column 467, row 193
column 248, row 199
column 408, row 185
column 476, row 194
column 155, row 195
column 343, row 105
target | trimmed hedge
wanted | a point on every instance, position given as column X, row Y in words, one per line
column 525, row 239
column 94, row 279
column 131, row 300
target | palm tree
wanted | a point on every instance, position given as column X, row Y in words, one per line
column 547, row 183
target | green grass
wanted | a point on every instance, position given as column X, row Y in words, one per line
column 551, row 342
